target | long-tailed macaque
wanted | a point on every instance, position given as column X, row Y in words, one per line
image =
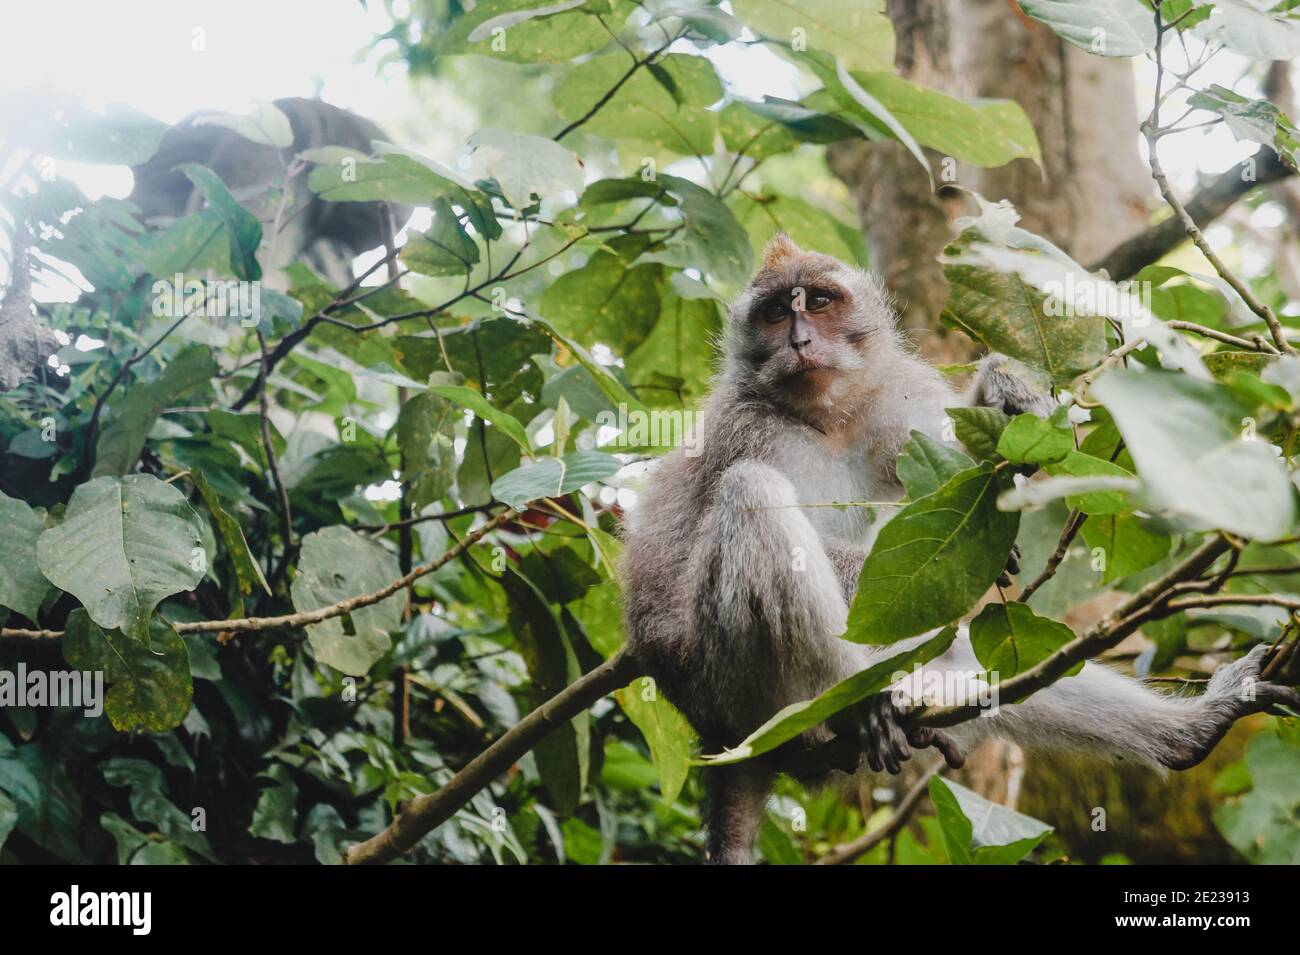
column 816, row 396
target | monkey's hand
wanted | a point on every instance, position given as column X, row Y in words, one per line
column 887, row 743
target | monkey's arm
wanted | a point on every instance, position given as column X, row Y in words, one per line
column 1101, row 710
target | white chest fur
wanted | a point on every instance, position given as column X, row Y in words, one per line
column 825, row 474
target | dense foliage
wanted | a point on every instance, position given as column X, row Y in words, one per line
column 181, row 465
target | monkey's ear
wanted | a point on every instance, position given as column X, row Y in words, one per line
column 779, row 248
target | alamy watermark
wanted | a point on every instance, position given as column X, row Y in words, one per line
column 658, row 428
column 82, row 689
column 178, row 296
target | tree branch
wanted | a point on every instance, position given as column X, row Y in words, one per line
column 849, row 851
column 303, row 618
column 425, row 813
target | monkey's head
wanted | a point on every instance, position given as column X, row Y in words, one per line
column 803, row 331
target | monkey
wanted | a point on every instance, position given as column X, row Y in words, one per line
column 735, row 597
column 324, row 235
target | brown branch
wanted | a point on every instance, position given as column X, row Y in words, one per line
column 1068, row 532
column 425, row 813
column 1147, row 247
column 303, row 618
column 848, row 851
column 1152, row 131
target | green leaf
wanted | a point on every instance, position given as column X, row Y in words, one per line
column 1029, row 439
column 1127, row 545
column 150, row 805
column 669, row 736
column 445, row 249
column 644, row 110
column 8, row 817
column 545, row 33
column 276, row 810
column 265, row 124
column 242, row 227
column 335, row 564
column 934, row 560
column 1253, row 32
column 247, row 570
column 1011, row 317
column 1103, row 27
column 124, row 545
column 150, row 686
column 525, row 165
column 562, row 758
column 1254, row 120
column 811, row 227
column 926, row 465
column 118, row 136
column 135, row 412
column 979, row 832
column 22, row 587
column 1195, row 454
column 983, row 133
column 475, row 402
column 606, row 301
column 553, row 477
column 425, row 431
column 1076, row 464
column 713, row 242
column 799, row 717
column 1011, row 638
column 980, row 429
column 855, row 32
column 1264, row 824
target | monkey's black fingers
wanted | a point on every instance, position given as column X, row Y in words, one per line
column 923, row 736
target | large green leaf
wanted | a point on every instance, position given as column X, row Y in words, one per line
column 242, row 228
column 1264, row 824
column 475, row 402
column 606, row 301
column 124, row 545
column 799, row 717
column 1010, row 316
column 977, row 831
column 553, row 477
column 563, row 756
column 856, row 32
column 150, row 687
column 336, row 563
column 525, row 165
column 247, row 570
column 1029, row 439
column 1254, row 120
column 713, row 242
column 1125, row 543
column 935, row 559
column 135, row 411
column 1104, row 27
column 1195, row 454
column 663, row 108
column 926, row 464
column 1261, row 31
column 525, row 31
column 669, row 736
column 22, row 586
column 1010, row 638
column 445, row 249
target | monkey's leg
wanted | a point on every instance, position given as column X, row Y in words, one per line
column 1101, row 710
column 733, row 810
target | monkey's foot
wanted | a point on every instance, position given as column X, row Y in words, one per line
column 1235, row 690
column 887, row 743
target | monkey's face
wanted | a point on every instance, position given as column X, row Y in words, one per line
column 801, row 328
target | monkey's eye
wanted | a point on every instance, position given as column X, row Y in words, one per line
column 817, row 301
column 775, row 311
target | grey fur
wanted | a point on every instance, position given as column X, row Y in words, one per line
column 735, row 596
